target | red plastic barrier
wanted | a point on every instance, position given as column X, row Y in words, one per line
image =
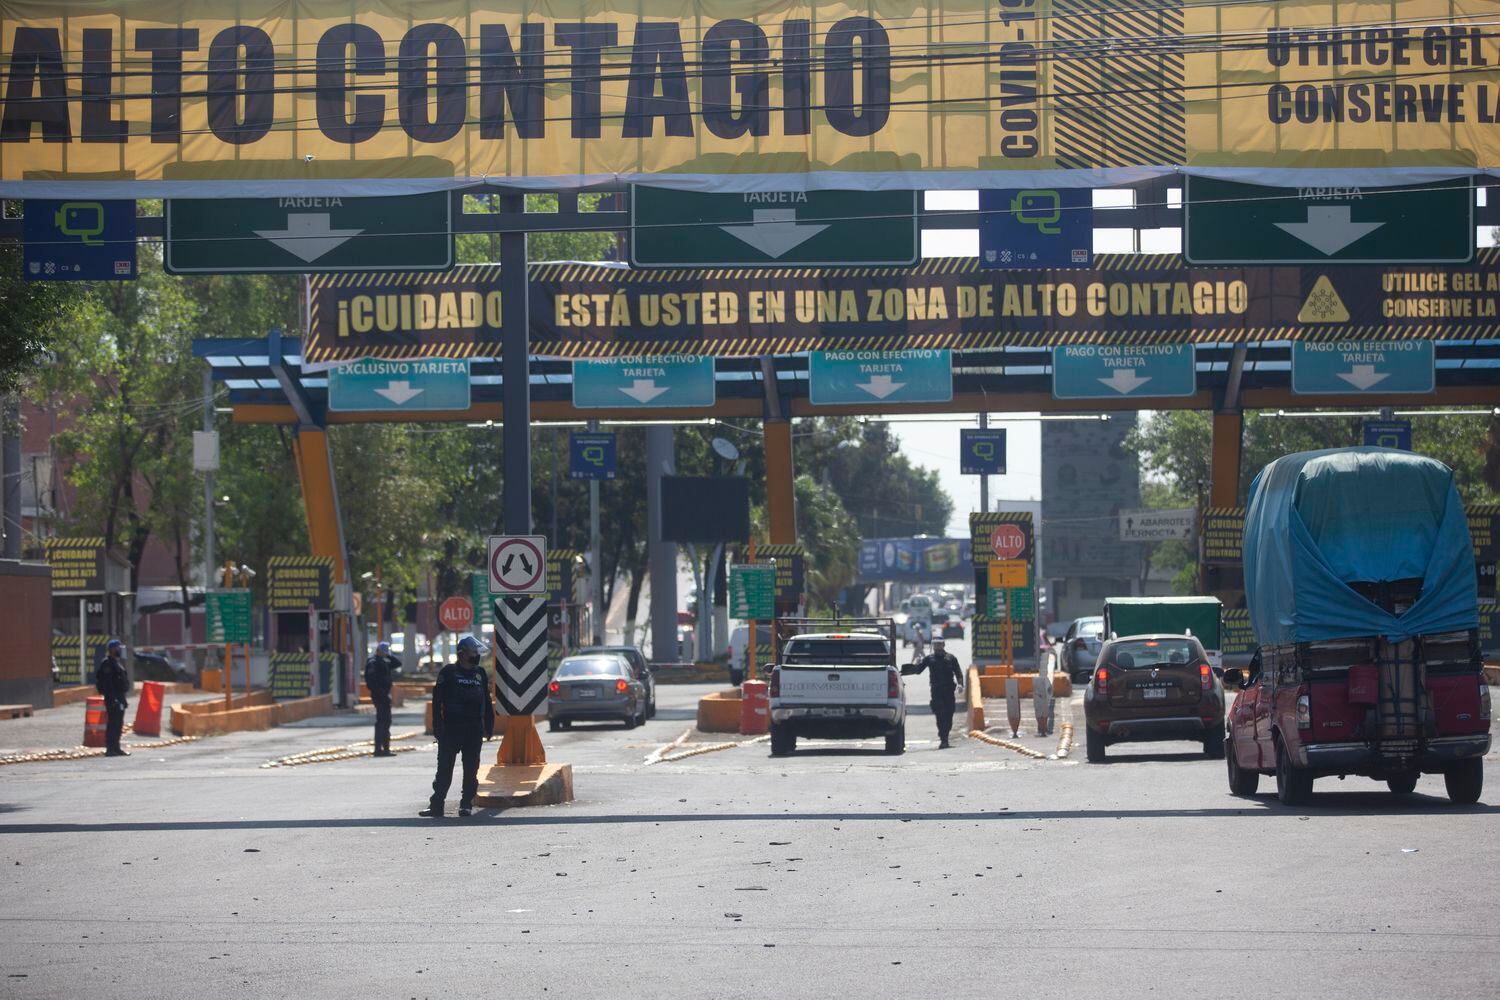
column 755, row 708
column 94, row 721
column 148, row 709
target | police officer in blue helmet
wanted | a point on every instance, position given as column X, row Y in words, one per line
column 462, row 717
column 111, row 680
column 380, row 673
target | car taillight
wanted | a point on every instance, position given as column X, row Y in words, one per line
column 622, row 685
column 1484, row 701
column 1101, row 680
column 892, row 684
column 1205, row 676
column 1304, row 711
column 774, row 689
column 554, row 687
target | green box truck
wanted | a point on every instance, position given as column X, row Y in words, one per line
column 1202, row 616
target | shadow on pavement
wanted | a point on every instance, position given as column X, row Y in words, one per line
column 1338, row 804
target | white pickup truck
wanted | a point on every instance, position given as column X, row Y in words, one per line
column 839, row 682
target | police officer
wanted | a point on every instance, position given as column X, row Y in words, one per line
column 462, row 717
column 944, row 677
column 380, row 669
column 111, row 680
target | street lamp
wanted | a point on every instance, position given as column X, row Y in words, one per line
column 374, row 575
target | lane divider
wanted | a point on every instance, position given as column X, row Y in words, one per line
column 1024, row 751
column 324, row 755
column 83, row 752
column 654, row 757
column 711, row 748
column 1064, row 741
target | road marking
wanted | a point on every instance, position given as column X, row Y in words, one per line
column 83, row 752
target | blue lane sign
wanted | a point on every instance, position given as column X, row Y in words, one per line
column 665, row 380
column 917, row 376
column 1388, row 434
column 1036, row 227
column 78, row 240
column 591, row 456
column 981, row 452
column 1109, row 371
column 399, row 386
column 1352, row 367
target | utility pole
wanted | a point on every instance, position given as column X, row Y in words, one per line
column 209, row 565
column 596, row 555
column 984, row 481
column 10, row 466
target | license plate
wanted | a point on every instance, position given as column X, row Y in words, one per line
column 587, row 693
column 1399, row 748
column 1149, row 693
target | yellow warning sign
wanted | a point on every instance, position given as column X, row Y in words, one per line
column 1323, row 304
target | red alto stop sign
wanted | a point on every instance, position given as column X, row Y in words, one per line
column 456, row 614
column 1008, row 541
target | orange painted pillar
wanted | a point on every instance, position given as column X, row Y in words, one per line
column 320, row 498
column 781, row 507
column 1224, row 472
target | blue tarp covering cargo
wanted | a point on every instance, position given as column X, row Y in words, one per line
column 1322, row 519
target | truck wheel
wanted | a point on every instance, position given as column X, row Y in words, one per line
column 1403, row 784
column 1293, row 784
column 895, row 743
column 1242, row 783
column 783, row 741
column 1213, row 746
column 1095, row 745
column 1465, row 780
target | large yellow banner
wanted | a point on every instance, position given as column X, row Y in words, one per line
column 738, row 93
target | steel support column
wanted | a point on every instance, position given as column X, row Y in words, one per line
column 1224, row 472
column 661, row 556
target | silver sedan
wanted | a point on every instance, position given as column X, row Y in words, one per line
column 597, row 687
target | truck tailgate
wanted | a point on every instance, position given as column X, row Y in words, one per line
column 833, row 685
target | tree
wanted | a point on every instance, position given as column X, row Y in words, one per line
column 861, row 462
column 830, row 536
column 32, row 316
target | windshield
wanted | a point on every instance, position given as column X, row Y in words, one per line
column 592, row 666
column 836, row 651
column 1155, row 653
column 1090, row 628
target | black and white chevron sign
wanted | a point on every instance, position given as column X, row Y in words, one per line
column 521, row 653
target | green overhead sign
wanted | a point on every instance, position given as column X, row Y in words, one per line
column 308, row 235
column 1227, row 222
column 772, row 228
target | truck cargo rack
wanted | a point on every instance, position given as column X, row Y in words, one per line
column 787, row 628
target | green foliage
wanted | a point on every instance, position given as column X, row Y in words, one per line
column 263, row 516
column 887, row 494
column 831, row 538
column 33, row 314
column 482, row 248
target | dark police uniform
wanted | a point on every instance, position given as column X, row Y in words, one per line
column 943, row 677
column 462, row 717
column 379, row 672
column 113, row 683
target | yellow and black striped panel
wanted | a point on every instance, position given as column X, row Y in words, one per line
column 85, row 542
column 1116, row 83
column 292, row 562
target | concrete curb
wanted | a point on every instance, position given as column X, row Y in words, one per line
column 975, row 695
column 257, row 712
column 720, row 712
column 510, row 786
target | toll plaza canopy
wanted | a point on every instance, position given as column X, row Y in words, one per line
column 149, row 98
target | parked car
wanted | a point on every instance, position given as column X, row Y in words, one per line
column 151, row 666
column 1148, row 688
column 596, row 686
column 638, row 665
column 1081, row 644
column 837, row 685
column 1361, row 588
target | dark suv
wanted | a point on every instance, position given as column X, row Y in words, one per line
column 1154, row 687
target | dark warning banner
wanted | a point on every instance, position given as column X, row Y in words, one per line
column 588, row 310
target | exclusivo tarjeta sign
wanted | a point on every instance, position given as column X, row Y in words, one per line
column 212, row 96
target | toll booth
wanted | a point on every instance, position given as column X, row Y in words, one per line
column 91, row 602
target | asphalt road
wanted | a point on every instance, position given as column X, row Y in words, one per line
column 840, row 872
